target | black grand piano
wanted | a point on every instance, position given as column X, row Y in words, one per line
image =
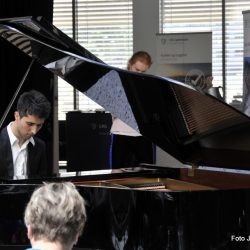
column 203, row 206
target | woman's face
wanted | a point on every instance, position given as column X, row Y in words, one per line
column 139, row 66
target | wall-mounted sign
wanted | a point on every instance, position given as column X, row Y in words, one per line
column 186, row 57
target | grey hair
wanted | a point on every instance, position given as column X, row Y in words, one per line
column 56, row 212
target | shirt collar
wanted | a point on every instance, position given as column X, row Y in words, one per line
column 13, row 138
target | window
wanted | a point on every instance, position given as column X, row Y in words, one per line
column 234, row 46
column 222, row 17
column 104, row 27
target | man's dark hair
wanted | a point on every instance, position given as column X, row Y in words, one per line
column 33, row 103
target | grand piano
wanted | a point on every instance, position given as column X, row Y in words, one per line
column 204, row 205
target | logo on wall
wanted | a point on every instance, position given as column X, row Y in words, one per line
column 163, row 41
column 196, row 78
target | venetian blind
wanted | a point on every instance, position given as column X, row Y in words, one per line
column 234, row 46
column 104, row 27
column 204, row 15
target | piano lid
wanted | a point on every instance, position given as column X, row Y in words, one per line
column 194, row 128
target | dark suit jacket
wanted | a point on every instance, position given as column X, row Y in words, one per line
column 36, row 158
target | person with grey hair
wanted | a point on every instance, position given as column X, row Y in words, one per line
column 55, row 216
column 22, row 154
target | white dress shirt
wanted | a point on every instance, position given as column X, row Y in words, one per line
column 19, row 154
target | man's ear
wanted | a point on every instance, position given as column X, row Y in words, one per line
column 29, row 232
column 16, row 115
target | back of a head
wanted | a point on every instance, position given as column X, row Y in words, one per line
column 56, row 213
column 33, row 103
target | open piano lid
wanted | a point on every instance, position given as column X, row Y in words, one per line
column 194, row 128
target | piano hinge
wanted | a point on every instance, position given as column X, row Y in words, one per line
column 192, row 170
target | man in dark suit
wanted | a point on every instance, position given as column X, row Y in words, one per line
column 21, row 153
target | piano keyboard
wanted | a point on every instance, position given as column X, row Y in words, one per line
column 147, row 186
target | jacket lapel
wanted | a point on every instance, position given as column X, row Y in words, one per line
column 6, row 156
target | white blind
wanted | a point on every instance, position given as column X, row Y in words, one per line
column 62, row 18
column 204, row 15
column 104, row 27
column 234, row 46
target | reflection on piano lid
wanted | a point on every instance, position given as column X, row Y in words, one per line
column 195, row 128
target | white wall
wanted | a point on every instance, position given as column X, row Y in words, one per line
column 145, row 27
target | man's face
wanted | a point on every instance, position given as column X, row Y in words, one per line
column 27, row 126
column 139, row 66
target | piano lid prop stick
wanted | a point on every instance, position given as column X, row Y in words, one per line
column 16, row 93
